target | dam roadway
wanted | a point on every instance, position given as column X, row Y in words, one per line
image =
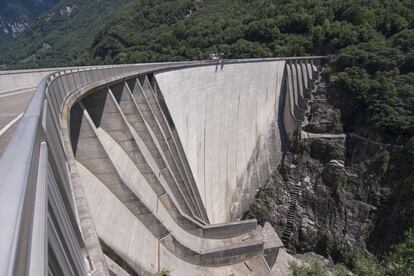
column 146, row 168
column 11, row 108
column 16, row 90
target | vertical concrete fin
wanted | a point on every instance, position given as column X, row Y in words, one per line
column 146, row 102
column 149, row 116
column 97, row 161
column 299, row 82
column 137, row 121
column 164, row 108
column 135, row 148
column 156, row 151
column 152, row 101
column 161, row 109
column 291, row 91
column 293, row 85
column 142, row 104
column 305, row 76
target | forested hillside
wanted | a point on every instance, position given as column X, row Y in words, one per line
column 60, row 35
column 372, row 41
column 17, row 15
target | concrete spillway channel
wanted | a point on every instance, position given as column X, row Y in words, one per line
column 170, row 160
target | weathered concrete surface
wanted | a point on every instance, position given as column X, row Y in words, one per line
column 226, row 119
column 163, row 158
column 126, row 235
column 113, row 168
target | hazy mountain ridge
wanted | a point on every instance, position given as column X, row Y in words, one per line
column 17, row 15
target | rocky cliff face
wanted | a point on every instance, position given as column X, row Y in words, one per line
column 16, row 16
column 324, row 195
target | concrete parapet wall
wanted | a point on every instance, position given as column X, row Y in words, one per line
column 15, row 80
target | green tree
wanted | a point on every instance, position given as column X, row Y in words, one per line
column 366, row 265
column 314, row 269
column 401, row 259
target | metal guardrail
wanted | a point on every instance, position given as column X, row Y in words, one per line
column 39, row 231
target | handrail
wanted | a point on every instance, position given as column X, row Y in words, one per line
column 17, row 168
column 19, row 178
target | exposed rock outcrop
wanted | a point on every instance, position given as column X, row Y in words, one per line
column 323, row 118
column 323, row 197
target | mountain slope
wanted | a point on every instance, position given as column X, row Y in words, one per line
column 17, row 15
column 60, row 35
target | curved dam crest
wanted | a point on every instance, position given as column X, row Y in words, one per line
column 145, row 168
column 227, row 120
column 179, row 154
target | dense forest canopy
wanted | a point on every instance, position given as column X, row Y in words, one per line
column 164, row 30
column 59, row 36
column 372, row 42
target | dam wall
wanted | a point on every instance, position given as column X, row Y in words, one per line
column 227, row 122
column 179, row 154
column 124, row 144
column 227, row 119
column 130, row 170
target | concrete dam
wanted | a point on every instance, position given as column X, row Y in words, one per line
column 148, row 168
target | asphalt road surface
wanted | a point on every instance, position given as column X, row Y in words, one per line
column 12, row 105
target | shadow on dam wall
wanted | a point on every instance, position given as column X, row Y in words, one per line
column 170, row 160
